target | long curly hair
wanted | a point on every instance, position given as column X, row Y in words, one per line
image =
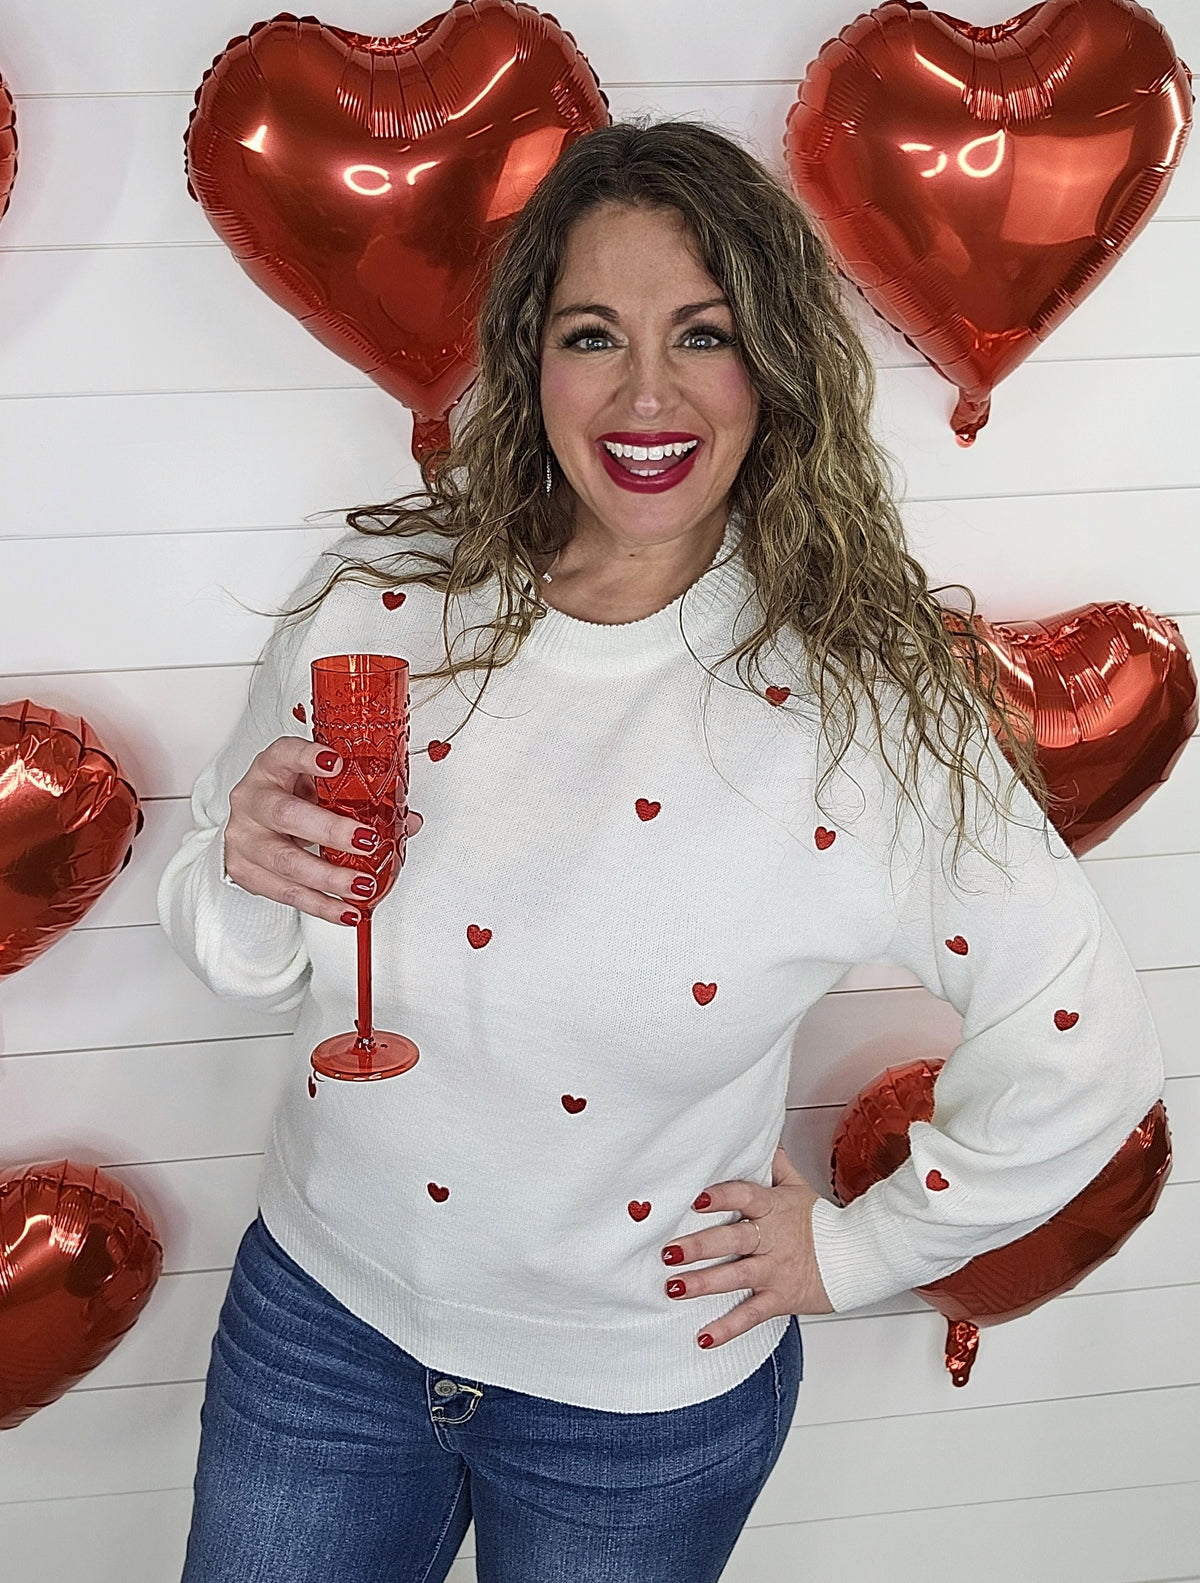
column 822, row 541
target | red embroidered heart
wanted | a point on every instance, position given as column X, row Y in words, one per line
column 934, row 153
column 646, row 810
column 362, row 182
column 824, row 837
column 776, row 695
column 958, row 945
column 298, row 711
column 1111, row 692
column 704, row 992
column 438, row 750
column 573, row 1105
column 478, row 936
column 1065, row 1019
column 394, row 601
column 438, row 1194
column 639, row 1211
column 936, row 1181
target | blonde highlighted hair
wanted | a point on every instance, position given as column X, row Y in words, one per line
column 822, row 541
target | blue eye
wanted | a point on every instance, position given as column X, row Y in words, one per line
column 589, row 332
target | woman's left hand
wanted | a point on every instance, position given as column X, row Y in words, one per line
column 780, row 1270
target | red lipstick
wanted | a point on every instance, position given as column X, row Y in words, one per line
column 666, row 476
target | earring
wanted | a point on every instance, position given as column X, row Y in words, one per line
column 549, row 474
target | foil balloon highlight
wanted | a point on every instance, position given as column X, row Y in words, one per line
column 977, row 183
column 79, row 1258
column 362, row 182
column 1111, row 693
column 871, row 1141
column 8, row 147
column 68, row 817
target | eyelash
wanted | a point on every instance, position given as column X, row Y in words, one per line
column 585, row 332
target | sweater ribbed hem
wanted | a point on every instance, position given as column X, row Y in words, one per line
column 639, row 1368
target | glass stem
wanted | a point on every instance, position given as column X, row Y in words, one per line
column 366, row 1036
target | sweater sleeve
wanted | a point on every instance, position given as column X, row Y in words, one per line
column 1059, row 1058
column 243, row 946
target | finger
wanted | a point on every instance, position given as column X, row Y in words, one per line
column 288, row 861
column 738, row 1238
column 756, row 1310
column 263, row 882
column 268, row 804
column 414, row 822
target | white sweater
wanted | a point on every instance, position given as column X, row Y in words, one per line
column 622, row 902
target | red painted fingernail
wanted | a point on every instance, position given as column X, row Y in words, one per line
column 327, row 761
column 676, row 1288
column 349, row 917
column 704, row 1339
column 365, row 839
column 702, row 1202
column 363, row 886
column 673, row 1254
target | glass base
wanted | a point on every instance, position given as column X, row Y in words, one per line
column 340, row 1057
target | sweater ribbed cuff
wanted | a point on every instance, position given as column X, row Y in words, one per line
column 255, row 926
column 860, row 1256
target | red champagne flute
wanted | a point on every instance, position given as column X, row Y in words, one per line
column 360, row 710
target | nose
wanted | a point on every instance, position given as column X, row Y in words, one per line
column 650, row 384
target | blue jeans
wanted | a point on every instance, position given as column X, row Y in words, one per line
column 330, row 1455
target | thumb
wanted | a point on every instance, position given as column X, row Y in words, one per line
column 782, row 1169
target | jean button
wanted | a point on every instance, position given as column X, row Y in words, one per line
column 445, row 1388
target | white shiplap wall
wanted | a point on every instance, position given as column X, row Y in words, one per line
column 167, row 436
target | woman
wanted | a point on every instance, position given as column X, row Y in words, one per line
column 630, row 885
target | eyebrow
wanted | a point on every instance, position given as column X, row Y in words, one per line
column 610, row 315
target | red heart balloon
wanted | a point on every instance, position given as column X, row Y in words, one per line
column 1112, row 695
column 871, row 1141
column 79, row 1258
column 68, row 817
column 8, row 147
column 362, row 182
column 976, row 183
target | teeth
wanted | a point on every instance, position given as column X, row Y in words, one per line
column 651, row 453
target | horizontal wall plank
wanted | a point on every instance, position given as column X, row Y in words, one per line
column 99, row 1538
column 1054, row 427
column 246, row 459
column 69, row 50
column 91, row 1443
column 127, row 986
column 121, row 320
column 146, row 1102
column 98, row 171
column 173, row 599
column 1136, row 1535
column 188, row 463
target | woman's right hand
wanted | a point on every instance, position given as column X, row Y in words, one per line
column 274, row 815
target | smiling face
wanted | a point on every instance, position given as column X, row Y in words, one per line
column 647, row 405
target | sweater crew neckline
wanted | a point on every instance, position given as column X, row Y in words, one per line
column 613, row 648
